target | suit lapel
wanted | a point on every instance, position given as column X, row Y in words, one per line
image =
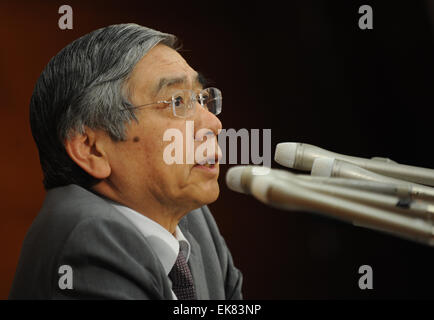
column 195, row 262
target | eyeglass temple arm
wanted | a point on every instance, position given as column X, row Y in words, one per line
column 148, row 104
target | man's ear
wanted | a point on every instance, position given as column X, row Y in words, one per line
column 87, row 150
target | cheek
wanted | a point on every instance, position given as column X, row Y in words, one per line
column 153, row 147
column 135, row 156
column 148, row 140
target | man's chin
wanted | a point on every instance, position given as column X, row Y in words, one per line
column 208, row 195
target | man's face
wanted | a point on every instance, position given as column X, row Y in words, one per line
column 138, row 167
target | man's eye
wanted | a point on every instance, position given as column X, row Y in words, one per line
column 178, row 101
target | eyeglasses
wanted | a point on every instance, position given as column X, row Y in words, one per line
column 184, row 102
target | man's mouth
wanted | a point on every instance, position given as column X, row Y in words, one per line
column 210, row 170
column 209, row 165
column 206, row 165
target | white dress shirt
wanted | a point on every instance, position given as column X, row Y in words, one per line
column 165, row 245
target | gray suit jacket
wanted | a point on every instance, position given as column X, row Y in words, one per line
column 110, row 258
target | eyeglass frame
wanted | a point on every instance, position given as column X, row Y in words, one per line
column 192, row 100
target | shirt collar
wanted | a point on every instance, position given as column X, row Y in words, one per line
column 165, row 245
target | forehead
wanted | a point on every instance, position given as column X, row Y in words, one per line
column 160, row 62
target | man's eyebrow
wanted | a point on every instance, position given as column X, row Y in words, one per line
column 167, row 82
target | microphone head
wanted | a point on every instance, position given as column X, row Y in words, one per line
column 322, row 167
column 233, row 178
column 285, row 154
column 239, row 178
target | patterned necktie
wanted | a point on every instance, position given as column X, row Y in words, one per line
column 182, row 281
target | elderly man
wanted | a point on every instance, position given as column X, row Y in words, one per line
column 118, row 221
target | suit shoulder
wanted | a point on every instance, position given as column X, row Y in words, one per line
column 66, row 207
column 73, row 200
column 76, row 223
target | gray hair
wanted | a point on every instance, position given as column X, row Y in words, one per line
column 85, row 85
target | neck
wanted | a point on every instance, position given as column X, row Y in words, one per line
column 150, row 206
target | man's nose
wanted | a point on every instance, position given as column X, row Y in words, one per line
column 206, row 119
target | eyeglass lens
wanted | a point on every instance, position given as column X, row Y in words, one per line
column 210, row 98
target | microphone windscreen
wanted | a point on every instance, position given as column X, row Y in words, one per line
column 285, row 154
column 233, row 178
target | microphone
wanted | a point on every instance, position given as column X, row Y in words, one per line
column 373, row 186
column 329, row 167
column 301, row 156
column 282, row 191
column 363, row 194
